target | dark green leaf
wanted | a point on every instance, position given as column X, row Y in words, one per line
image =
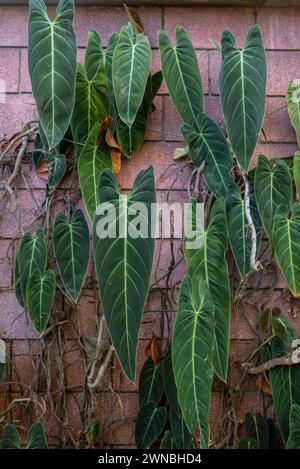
column 124, row 260
column 112, row 42
column 40, row 294
column 272, row 188
column 149, row 424
column 247, row 443
column 151, row 386
column 11, row 438
column 182, row 436
column 243, row 92
column 208, row 144
column 293, row 102
column 57, row 168
column 36, row 438
column 283, row 328
column 52, row 66
column 296, row 171
column 181, row 72
column 294, row 436
column 71, row 242
column 192, row 346
column 167, row 442
column 169, row 382
column 257, row 429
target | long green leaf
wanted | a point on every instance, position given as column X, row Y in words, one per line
column 293, row 102
column 36, row 438
column 32, row 255
column 182, row 436
column 17, row 283
column 273, row 187
column 192, row 346
column 151, row 386
column 238, row 230
column 247, row 443
column 11, row 438
column 94, row 157
column 71, row 244
column 209, row 264
column 124, row 262
column 208, row 144
column 294, row 436
column 40, row 294
column 112, row 42
column 286, row 241
column 283, row 328
column 52, row 66
column 130, row 70
column 149, row 425
column 181, row 72
column 285, row 384
column 243, row 92
column 92, row 95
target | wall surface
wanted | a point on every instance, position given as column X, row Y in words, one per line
column 116, row 403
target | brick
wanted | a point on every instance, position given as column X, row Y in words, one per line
column 277, row 125
column 116, row 414
column 14, row 323
column 207, row 22
column 155, row 121
column 6, row 262
column 240, row 350
column 163, row 259
column 13, row 20
column 282, row 67
column 107, row 20
column 74, row 421
column 84, row 317
column 20, row 109
column 24, row 354
column 280, row 27
column 160, row 156
column 276, row 150
column 25, row 84
column 74, row 366
column 9, row 69
column 20, row 213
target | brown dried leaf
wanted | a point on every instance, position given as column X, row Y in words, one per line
column 135, row 19
column 153, row 349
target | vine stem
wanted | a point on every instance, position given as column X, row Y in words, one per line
column 16, row 168
column 254, row 264
column 27, row 134
column 281, row 361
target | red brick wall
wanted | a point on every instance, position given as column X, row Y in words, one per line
column 116, row 403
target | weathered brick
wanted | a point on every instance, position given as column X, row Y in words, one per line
column 74, row 366
column 280, row 27
column 24, row 371
column 14, row 323
column 9, row 69
column 6, row 264
column 207, row 22
column 107, row 20
column 277, row 127
column 13, row 20
column 25, row 84
column 282, row 66
column 20, row 109
column 276, row 150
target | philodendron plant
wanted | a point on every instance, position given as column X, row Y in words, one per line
column 101, row 108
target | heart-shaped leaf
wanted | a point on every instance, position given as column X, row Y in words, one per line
column 124, row 259
column 209, row 264
column 32, row 255
column 286, row 242
column 91, row 103
column 71, row 242
column 285, row 383
column 94, row 157
column 294, row 436
column 293, row 102
column 151, row 386
column 181, row 72
column 40, row 294
column 11, row 438
column 52, row 66
column 36, row 438
column 247, row 443
column 167, row 442
column 130, row 70
column 149, row 424
column 182, row 436
column 192, row 346
column 243, row 92
column 208, row 144
column 273, row 187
